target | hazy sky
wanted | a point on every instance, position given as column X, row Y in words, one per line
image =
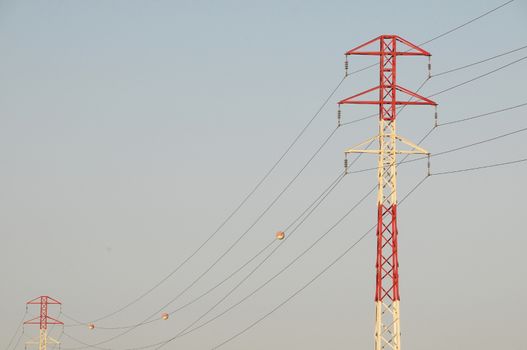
column 131, row 129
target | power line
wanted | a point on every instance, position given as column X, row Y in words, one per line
column 479, row 62
column 445, row 33
column 210, row 290
column 240, row 205
column 300, row 220
column 479, row 142
column 467, row 23
column 478, row 77
column 18, row 340
column 302, row 216
column 184, row 331
column 262, row 214
column 20, row 326
column 463, row 120
column 483, row 115
column 494, row 165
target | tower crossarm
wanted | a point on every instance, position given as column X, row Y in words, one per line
column 414, row 149
column 49, row 320
column 44, row 299
column 414, row 98
column 37, row 342
column 411, row 49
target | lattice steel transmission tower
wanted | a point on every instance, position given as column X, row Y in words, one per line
column 387, row 316
column 43, row 321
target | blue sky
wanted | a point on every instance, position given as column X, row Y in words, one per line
column 131, row 129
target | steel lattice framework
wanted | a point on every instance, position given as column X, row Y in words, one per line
column 387, row 316
column 43, row 320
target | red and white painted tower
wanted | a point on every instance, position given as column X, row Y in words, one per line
column 387, row 316
column 44, row 320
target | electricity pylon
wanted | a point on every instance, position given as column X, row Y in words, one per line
column 387, row 316
column 43, row 321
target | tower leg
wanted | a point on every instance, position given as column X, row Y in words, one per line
column 43, row 341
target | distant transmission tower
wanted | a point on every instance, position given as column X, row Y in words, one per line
column 387, row 319
column 43, row 321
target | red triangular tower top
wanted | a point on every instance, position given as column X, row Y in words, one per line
column 412, row 50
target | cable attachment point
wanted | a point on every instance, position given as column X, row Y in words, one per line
column 346, row 66
column 346, row 164
column 436, row 124
column 428, row 165
column 339, row 117
column 429, row 67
